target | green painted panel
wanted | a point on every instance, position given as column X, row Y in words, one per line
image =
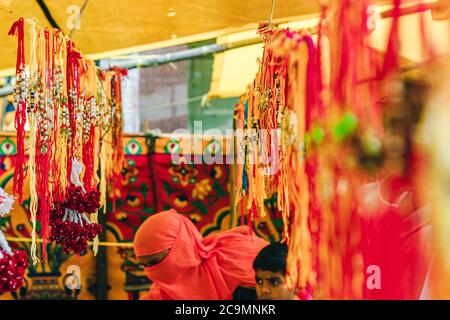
column 219, row 113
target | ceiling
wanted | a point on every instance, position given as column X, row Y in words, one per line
column 109, row 27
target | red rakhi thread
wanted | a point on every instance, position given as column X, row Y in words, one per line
column 57, row 87
column 73, row 90
column 21, row 100
column 89, row 143
column 44, row 142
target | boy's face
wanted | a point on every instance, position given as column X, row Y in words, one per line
column 271, row 286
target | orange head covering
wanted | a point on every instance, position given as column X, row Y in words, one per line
column 196, row 267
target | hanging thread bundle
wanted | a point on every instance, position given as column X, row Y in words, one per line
column 332, row 139
column 74, row 115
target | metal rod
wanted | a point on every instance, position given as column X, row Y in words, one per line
column 412, row 9
column 6, row 91
column 183, row 55
column 78, row 19
column 5, row 10
column 271, row 13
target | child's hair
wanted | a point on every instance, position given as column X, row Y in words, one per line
column 272, row 258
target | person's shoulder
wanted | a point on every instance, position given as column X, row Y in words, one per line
column 244, row 293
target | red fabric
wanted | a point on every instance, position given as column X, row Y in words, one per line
column 196, row 268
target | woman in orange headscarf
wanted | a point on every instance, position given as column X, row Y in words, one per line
column 183, row 265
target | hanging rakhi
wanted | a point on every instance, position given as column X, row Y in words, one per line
column 240, row 154
column 105, row 110
column 117, row 131
column 35, row 97
column 270, row 102
column 261, row 127
column 44, row 134
column 61, row 118
column 64, row 128
column 269, row 98
column 349, row 119
column 318, row 80
column 111, row 151
column 301, row 97
column 90, row 135
column 71, row 226
column 73, row 70
column 254, row 172
column 251, row 153
column 41, row 119
column 318, row 87
column 20, row 105
column 97, row 122
column 89, row 123
column 13, row 264
column 241, row 149
column 396, row 208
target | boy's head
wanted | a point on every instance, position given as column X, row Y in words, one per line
column 270, row 271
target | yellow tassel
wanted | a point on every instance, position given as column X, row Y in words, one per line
column 110, row 165
column 96, row 157
column 94, row 219
column 32, row 146
column 33, row 194
column 60, row 152
column 62, row 155
column 238, row 149
column 94, row 216
column 261, row 193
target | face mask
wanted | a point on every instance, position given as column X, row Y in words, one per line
column 165, row 271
